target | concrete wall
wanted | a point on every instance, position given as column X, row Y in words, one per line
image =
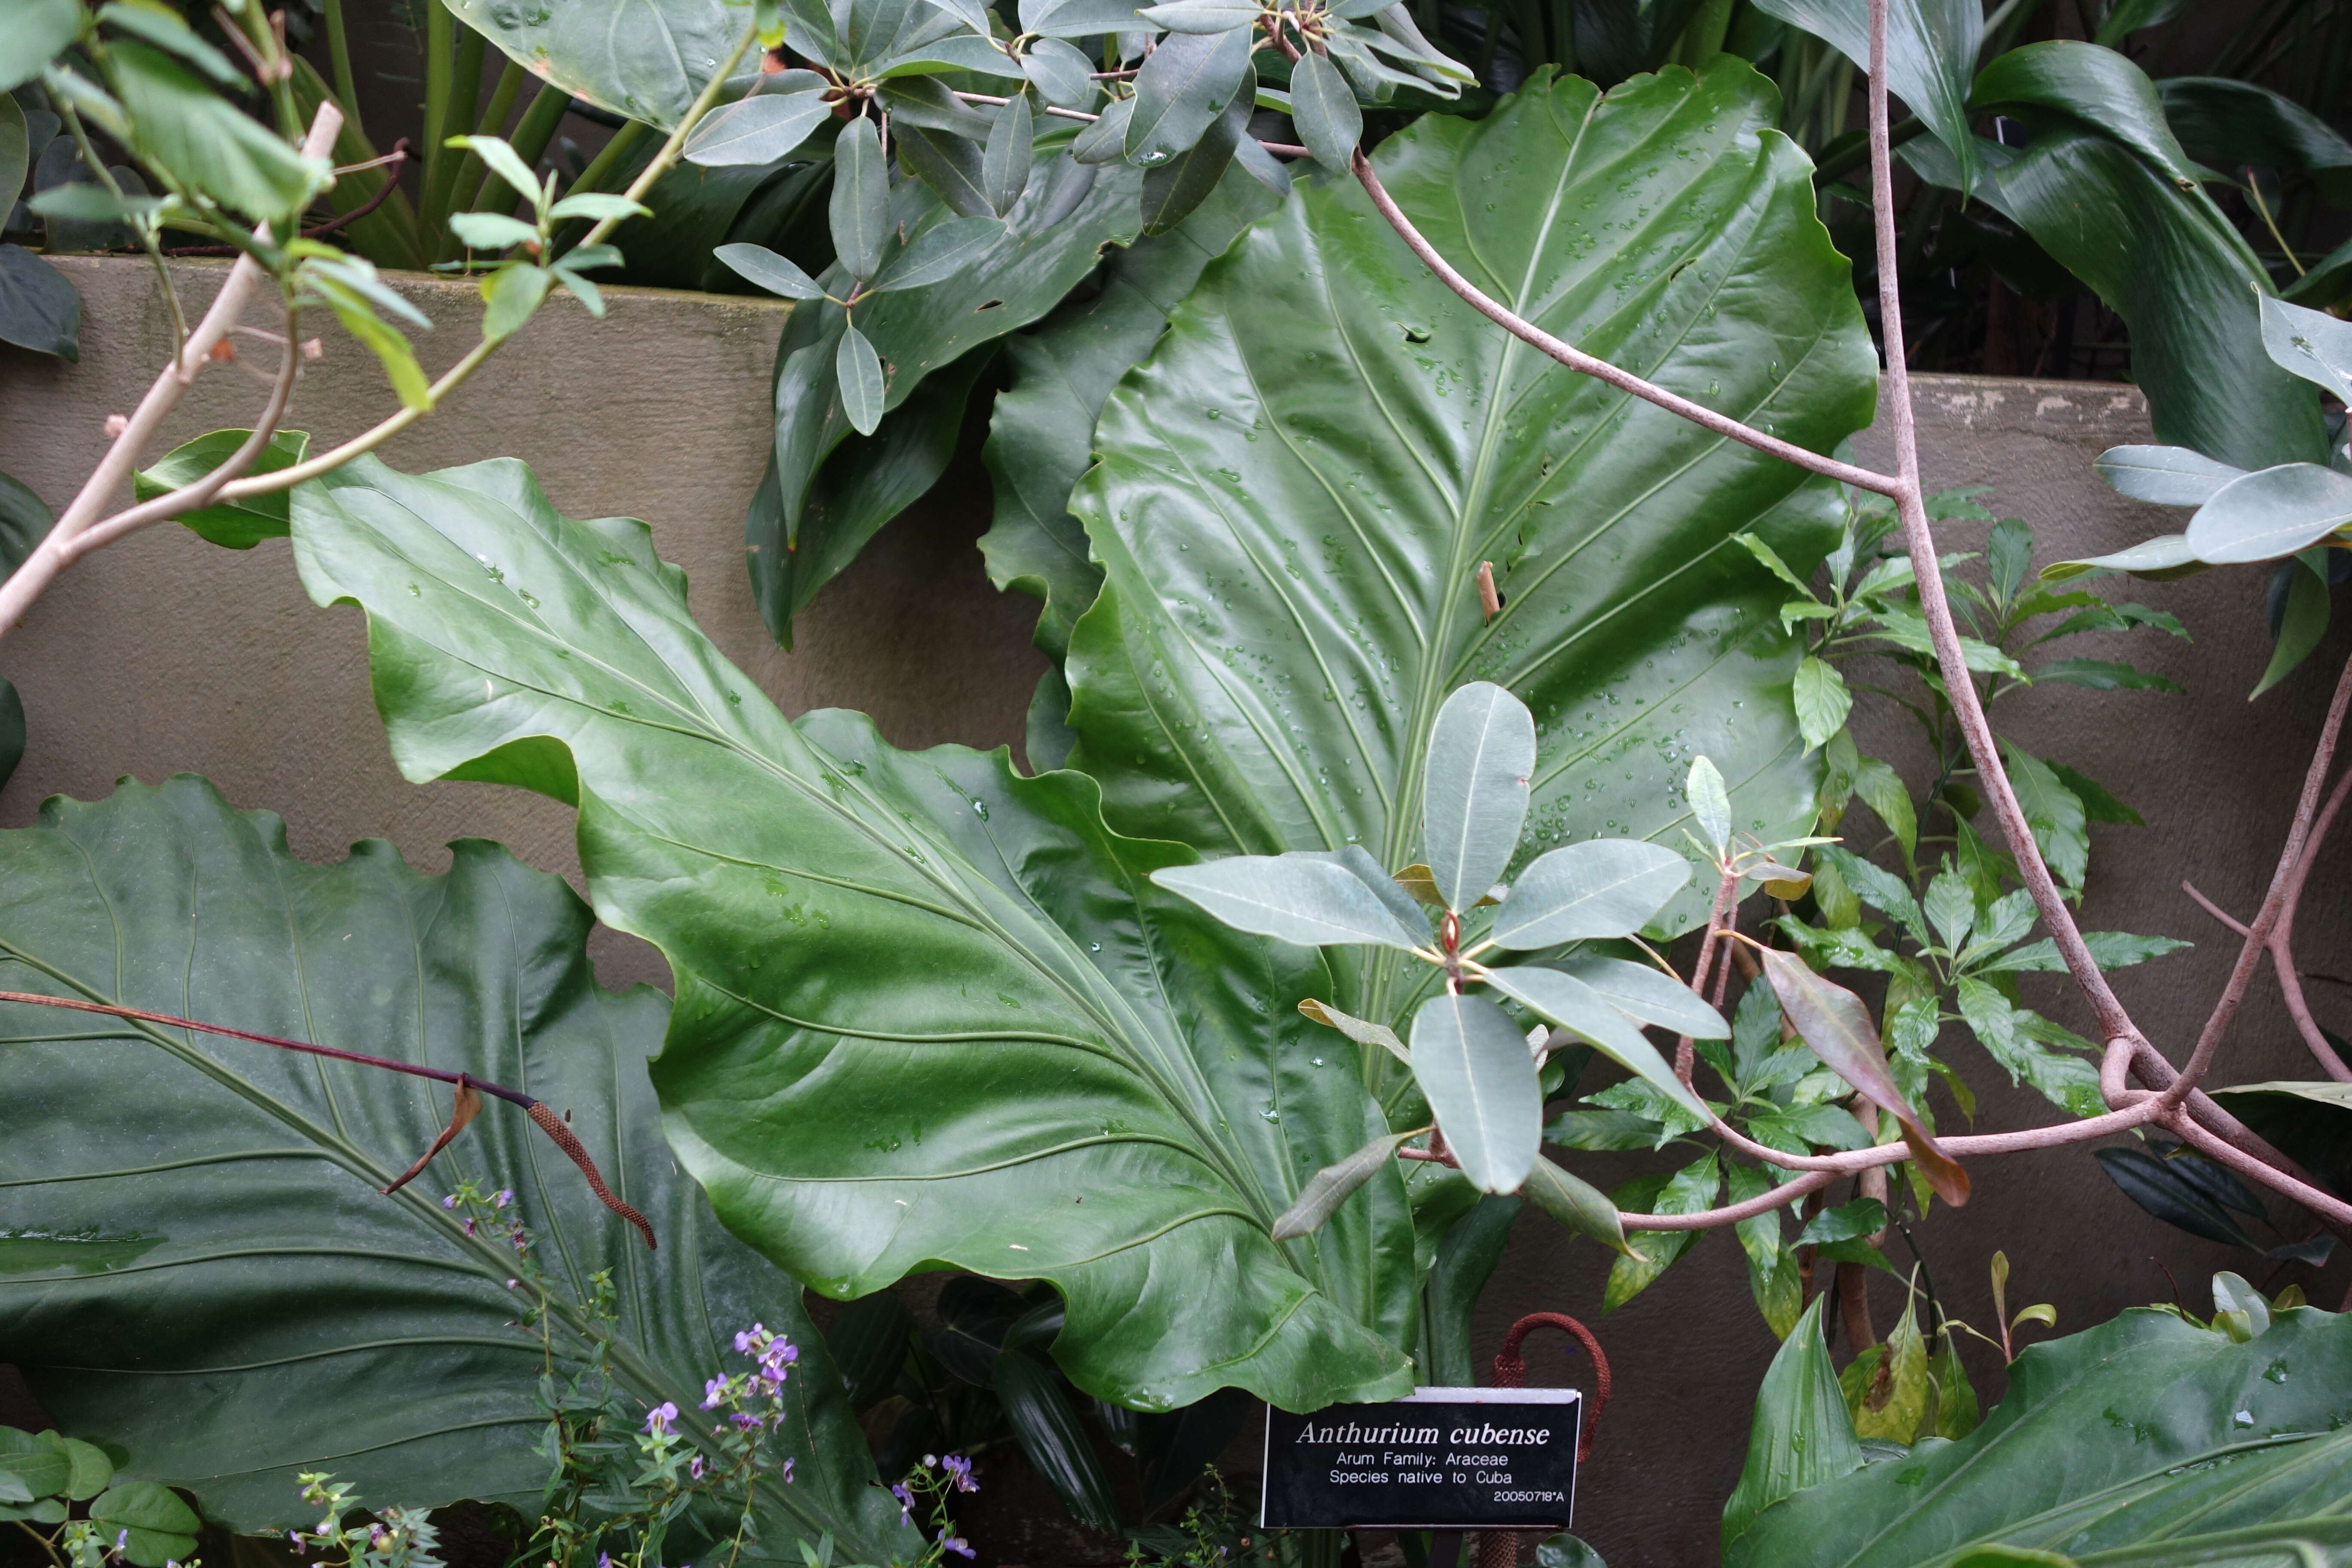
column 164, row 654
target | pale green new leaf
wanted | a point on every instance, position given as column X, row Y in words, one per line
column 1049, row 1069
column 1823, row 701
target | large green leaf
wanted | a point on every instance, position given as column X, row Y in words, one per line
column 645, row 59
column 1052, row 238
column 929, row 1013
column 2148, row 1432
column 1296, row 491
column 1801, row 1435
column 1041, row 430
column 279, row 1315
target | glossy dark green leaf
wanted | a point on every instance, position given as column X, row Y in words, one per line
column 1173, row 189
column 1055, row 1441
column 237, row 524
column 2148, row 1437
column 1467, row 1251
column 1473, row 1063
column 2104, row 188
column 1105, row 140
column 1182, row 89
column 1044, row 1026
column 760, row 128
column 1690, row 1190
column 777, row 274
column 1800, row 1435
column 1334, row 1184
column 1297, row 490
column 2311, row 1122
column 280, row 1277
column 25, row 521
column 1599, row 888
column 1051, row 238
column 1005, row 160
column 647, row 61
column 2301, row 602
column 1931, row 55
column 1041, row 429
column 1474, row 795
column 868, row 1341
column 1324, row 106
column 39, row 309
column 2168, row 476
column 938, row 253
column 2227, row 124
column 2128, row 17
column 1059, row 72
column 860, row 207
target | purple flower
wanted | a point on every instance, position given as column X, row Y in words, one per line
column 658, row 1418
column 957, row 1544
column 603, row 1560
column 122, row 1540
column 714, row 1394
column 694, row 1467
column 788, row 1472
column 959, row 1470
column 513, row 1284
column 469, row 1227
column 776, row 1360
column 745, row 1421
column 296, row 1537
column 450, row 1201
column 906, row 1502
column 506, row 1196
column 756, row 1335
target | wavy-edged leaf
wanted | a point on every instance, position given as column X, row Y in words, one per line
column 1041, row 429
column 1600, row 888
column 1472, row 1062
column 2149, row 1438
column 1297, row 490
column 1034, row 1024
column 275, row 1277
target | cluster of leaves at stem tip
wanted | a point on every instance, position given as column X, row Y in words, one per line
column 1180, row 111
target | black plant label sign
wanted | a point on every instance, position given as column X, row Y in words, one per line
column 1441, row 1459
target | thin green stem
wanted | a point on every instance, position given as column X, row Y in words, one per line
column 338, row 52
column 47, row 1545
column 591, row 178
column 2254, row 189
